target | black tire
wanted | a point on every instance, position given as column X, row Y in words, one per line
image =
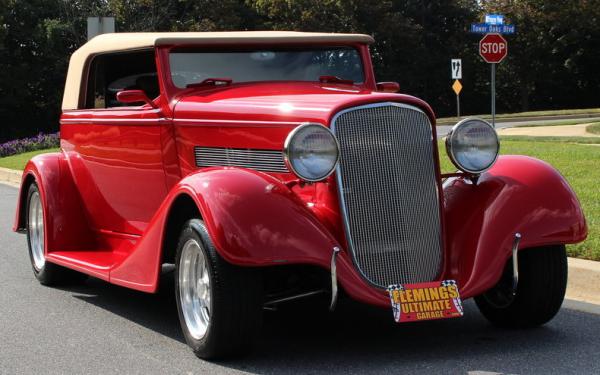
column 236, row 300
column 49, row 274
column 540, row 292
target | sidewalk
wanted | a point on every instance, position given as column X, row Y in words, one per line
column 578, row 130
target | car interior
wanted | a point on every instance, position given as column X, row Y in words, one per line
column 111, row 73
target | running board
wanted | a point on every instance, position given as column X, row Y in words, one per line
column 97, row 263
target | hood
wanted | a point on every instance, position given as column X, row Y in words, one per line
column 286, row 102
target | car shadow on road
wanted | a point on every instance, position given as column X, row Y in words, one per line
column 157, row 312
column 360, row 339
column 356, row 338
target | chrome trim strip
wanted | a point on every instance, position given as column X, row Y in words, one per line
column 184, row 120
column 278, row 106
column 334, row 286
column 110, row 120
column 177, row 121
column 515, row 262
column 294, row 297
column 139, row 109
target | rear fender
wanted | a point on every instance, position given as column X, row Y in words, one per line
column 66, row 228
column 518, row 195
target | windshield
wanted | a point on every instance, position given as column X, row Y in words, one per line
column 193, row 66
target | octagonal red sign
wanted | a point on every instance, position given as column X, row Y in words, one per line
column 493, row 48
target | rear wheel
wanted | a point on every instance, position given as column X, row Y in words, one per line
column 219, row 304
column 540, row 291
column 46, row 273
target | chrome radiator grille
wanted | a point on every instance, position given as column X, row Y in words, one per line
column 388, row 192
column 260, row 160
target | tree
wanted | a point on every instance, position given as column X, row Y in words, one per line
column 552, row 59
column 181, row 15
column 36, row 39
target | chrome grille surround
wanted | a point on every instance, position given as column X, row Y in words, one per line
column 388, row 192
column 260, row 160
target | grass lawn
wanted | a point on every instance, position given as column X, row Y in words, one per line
column 577, row 160
column 18, row 161
column 593, row 128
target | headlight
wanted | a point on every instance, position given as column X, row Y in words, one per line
column 311, row 152
column 473, row 145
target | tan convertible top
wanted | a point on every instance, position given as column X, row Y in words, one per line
column 116, row 42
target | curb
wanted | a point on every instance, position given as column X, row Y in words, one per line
column 580, row 306
column 584, row 281
column 10, row 177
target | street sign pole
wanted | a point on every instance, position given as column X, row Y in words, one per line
column 493, row 94
column 457, row 87
column 100, row 25
column 493, row 48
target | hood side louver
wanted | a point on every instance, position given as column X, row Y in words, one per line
column 260, row 160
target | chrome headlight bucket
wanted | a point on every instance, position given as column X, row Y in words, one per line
column 473, row 145
column 311, row 151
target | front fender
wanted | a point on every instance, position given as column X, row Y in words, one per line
column 519, row 194
column 252, row 218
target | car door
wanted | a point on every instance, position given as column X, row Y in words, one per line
column 114, row 150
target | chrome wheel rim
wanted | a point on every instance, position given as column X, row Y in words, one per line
column 36, row 231
column 194, row 289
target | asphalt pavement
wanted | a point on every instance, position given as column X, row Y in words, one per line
column 98, row 328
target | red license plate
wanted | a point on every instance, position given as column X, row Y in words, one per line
column 425, row 301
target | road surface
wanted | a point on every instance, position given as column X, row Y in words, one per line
column 98, row 328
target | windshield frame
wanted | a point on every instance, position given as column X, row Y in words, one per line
column 244, row 52
column 163, row 54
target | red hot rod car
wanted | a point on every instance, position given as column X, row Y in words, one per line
column 271, row 166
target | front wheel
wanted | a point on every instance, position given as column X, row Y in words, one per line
column 219, row 304
column 540, row 291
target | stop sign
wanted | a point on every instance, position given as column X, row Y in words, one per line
column 493, row 48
